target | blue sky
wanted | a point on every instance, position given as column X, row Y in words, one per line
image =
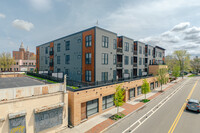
column 171, row 24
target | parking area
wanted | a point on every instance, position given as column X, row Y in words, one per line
column 18, row 82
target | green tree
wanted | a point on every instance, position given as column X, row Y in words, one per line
column 162, row 76
column 145, row 87
column 170, row 61
column 118, row 97
column 195, row 65
column 6, row 61
column 176, row 71
column 183, row 59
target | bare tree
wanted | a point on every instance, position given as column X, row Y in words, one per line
column 6, row 61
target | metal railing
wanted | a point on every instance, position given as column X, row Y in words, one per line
column 119, row 50
column 119, row 64
column 134, row 52
column 134, row 64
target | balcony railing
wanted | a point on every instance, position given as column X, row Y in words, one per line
column 51, row 52
column 119, row 50
column 134, row 64
column 146, row 54
column 51, row 64
column 119, row 64
column 134, row 52
column 145, row 64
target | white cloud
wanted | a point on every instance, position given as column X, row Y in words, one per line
column 21, row 24
column 181, row 26
column 193, row 30
column 2, row 15
column 41, row 5
column 183, row 37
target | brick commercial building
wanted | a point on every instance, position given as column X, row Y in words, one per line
column 24, row 60
column 96, row 54
column 23, row 54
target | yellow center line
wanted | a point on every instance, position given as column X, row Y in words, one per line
column 171, row 130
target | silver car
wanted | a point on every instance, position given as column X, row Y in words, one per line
column 193, row 105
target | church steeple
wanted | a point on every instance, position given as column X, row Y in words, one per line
column 27, row 49
column 21, row 47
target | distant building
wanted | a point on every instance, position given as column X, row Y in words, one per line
column 24, row 60
column 23, row 54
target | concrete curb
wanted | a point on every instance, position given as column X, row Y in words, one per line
column 137, row 109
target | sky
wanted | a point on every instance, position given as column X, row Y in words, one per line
column 173, row 25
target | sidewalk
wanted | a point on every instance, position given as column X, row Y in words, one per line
column 102, row 121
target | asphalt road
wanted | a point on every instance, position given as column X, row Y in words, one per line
column 169, row 114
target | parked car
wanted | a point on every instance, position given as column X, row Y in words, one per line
column 193, row 105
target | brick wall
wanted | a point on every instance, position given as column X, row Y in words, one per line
column 76, row 98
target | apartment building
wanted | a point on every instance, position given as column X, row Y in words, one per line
column 96, row 54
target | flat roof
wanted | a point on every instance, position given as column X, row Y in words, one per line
column 18, row 82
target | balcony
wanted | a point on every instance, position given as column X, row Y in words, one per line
column 51, row 52
column 134, row 52
column 134, row 64
column 119, row 50
column 51, row 64
column 146, row 54
column 119, row 64
column 145, row 65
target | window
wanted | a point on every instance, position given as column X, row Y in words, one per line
column 126, row 60
column 88, row 58
column 88, row 41
column 107, row 102
column 126, row 71
column 88, row 76
column 105, row 41
column 58, row 47
column 139, row 90
column 126, row 46
column 67, row 72
column 114, row 74
column 140, row 61
column 140, row 49
column 131, row 60
column 131, row 93
column 58, row 70
column 104, row 76
column 46, row 50
column 149, row 52
column 114, row 44
column 143, row 61
column 58, row 59
column 46, row 61
column 160, row 54
column 67, row 59
column 67, row 45
column 104, row 58
column 144, row 50
column 92, row 107
column 114, row 59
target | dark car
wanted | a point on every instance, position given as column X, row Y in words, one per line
column 193, row 105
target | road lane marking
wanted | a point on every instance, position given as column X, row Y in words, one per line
column 171, row 130
column 154, row 109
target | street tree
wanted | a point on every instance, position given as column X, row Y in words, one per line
column 6, row 61
column 145, row 87
column 118, row 97
column 195, row 65
column 176, row 71
column 170, row 61
column 183, row 59
column 162, row 76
